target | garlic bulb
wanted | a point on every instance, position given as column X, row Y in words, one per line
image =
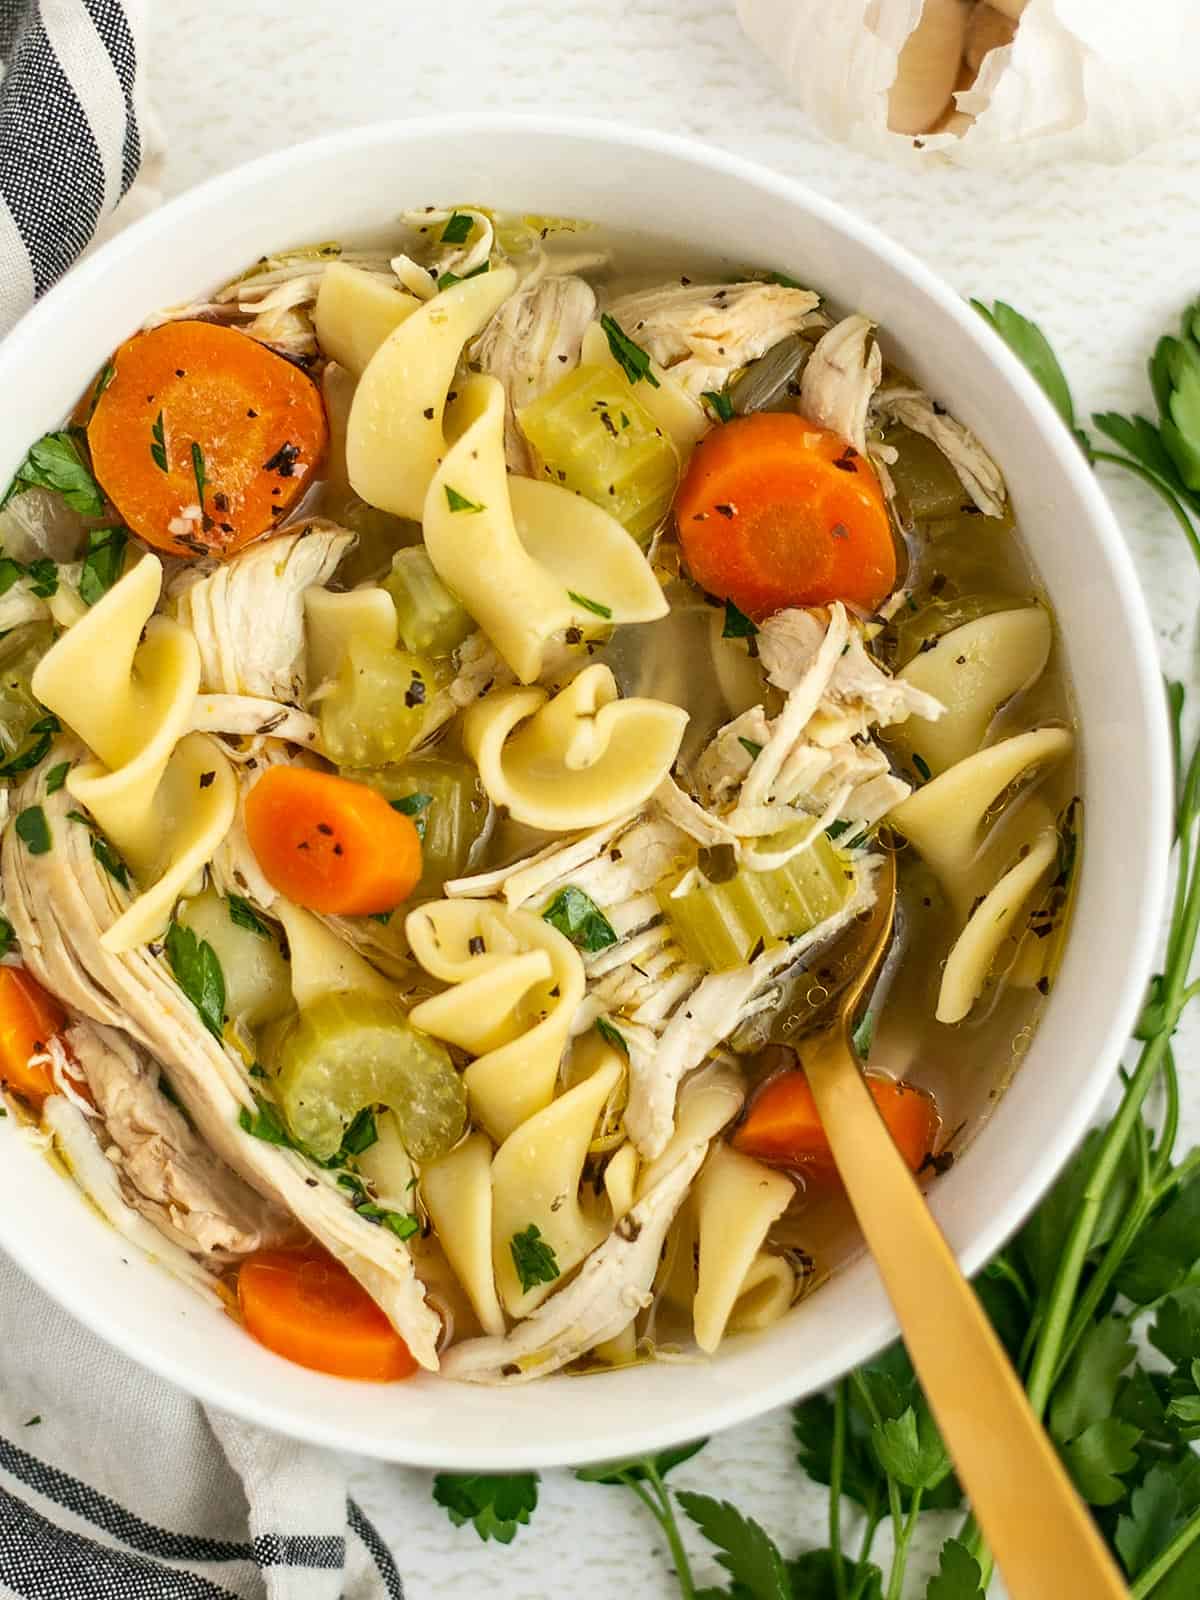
column 987, row 83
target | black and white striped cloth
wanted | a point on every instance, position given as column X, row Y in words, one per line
column 113, row 1484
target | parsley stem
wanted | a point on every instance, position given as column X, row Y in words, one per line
column 1163, row 490
column 1149, row 1580
column 1170, row 1118
column 837, row 1461
column 874, row 1518
column 893, row 1490
column 900, row 1553
column 660, row 1508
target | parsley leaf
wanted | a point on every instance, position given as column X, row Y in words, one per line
column 612, row 1035
column 578, row 916
column 158, row 448
column 533, row 1258
column 8, row 935
column 55, row 463
column 746, row 1552
column 413, row 805
column 813, row 1430
column 637, row 1468
column 1088, row 1388
column 459, row 502
column 458, row 228
column 496, row 1505
column 719, row 404
column 110, row 860
column 10, row 572
column 43, row 731
column 266, row 1124
column 630, row 357
column 102, row 564
column 32, row 827
column 752, row 749
column 361, row 1134
column 737, row 624
column 593, row 606
column 402, row 1223
column 199, row 472
column 243, row 915
column 958, row 1576
column 1166, row 1249
column 1030, row 345
column 107, row 373
column 198, row 973
column 1099, row 1457
column 449, row 279
column 43, row 576
column 57, row 776
column 811, row 1577
column 910, row 1449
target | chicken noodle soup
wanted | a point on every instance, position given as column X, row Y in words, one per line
column 456, row 701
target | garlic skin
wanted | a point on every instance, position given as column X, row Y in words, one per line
column 1085, row 80
column 928, row 67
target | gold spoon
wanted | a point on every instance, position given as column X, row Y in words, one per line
column 1044, row 1540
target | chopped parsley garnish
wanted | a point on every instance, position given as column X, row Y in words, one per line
column 402, row 1223
column 449, row 279
column 243, row 915
column 459, row 502
column 579, row 917
column 533, row 1258
column 361, row 1134
column 10, row 571
column 593, row 606
column 7, row 935
column 102, row 564
column 266, row 1124
column 922, row 767
column 34, row 830
column 737, row 624
column 719, row 404
column 55, row 463
column 57, row 776
column 43, row 575
column 158, row 449
column 43, row 731
column 201, row 477
column 630, row 357
column 198, row 973
column 458, row 228
column 414, row 805
column 748, row 745
column 110, row 860
column 107, row 373
column 612, row 1035
column 784, row 282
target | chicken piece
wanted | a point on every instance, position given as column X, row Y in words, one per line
column 19, row 604
column 977, row 472
column 724, row 763
column 612, row 1286
column 252, row 720
column 532, row 341
column 460, row 260
column 702, row 333
column 840, row 378
column 859, row 689
column 167, row 1173
column 248, row 615
column 61, row 902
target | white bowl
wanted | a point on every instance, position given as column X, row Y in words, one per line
column 703, row 199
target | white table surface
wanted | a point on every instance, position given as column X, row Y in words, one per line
column 1104, row 259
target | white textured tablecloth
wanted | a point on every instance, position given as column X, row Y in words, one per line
column 1103, row 259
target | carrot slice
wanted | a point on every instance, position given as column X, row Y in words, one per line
column 305, row 1306
column 330, row 844
column 28, row 1018
column 203, row 419
column 783, row 1126
column 775, row 511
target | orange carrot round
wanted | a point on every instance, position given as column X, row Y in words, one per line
column 28, row 1018
column 784, row 1129
column 330, row 844
column 775, row 511
column 204, row 420
column 305, row 1306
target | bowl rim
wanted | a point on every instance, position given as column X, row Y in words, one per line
column 634, row 1438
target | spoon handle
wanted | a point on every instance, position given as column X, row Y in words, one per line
column 1044, row 1540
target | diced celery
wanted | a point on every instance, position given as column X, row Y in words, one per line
column 721, row 925
column 447, row 802
column 927, row 486
column 347, row 1051
column 915, row 631
column 257, row 980
column 20, row 653
column 592, row 435
column 432, row 620
column 376, row 709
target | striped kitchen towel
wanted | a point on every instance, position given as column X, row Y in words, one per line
column 114, row 1485
column 78, row 137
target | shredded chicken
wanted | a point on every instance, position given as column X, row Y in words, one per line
column 167, row 1173
column 704, row 332
column 859, row 693
column 977, row 472
column 532, row 341
column 612, row 1286
column 249, row 718
column 247, row 616
column 60, row 903
column 841, row 376
column 440, row 257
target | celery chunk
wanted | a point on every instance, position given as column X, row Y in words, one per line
column 348, row 1051
column 446, row 801
column 432, row 620
column 375, row 711
column 592, row 435
column 723, row 925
